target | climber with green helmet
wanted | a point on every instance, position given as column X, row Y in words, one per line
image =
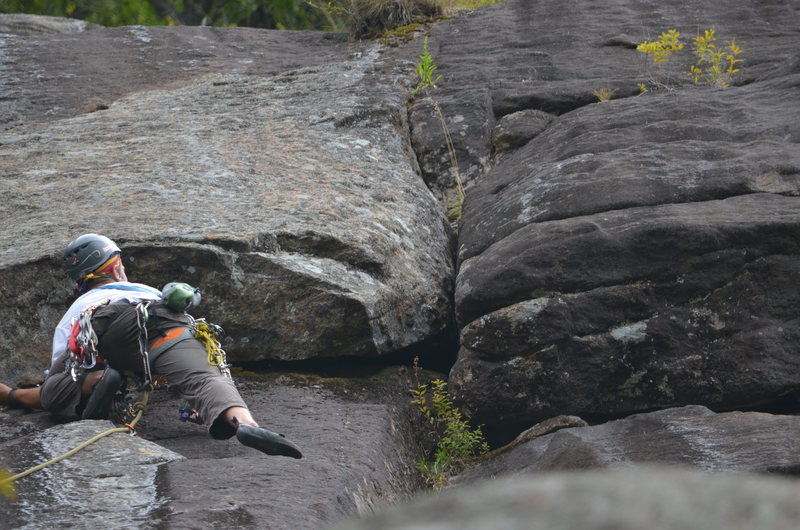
column 112, row 306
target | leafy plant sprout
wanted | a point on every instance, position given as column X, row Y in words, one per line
column 661, row 50
column 456, row 442
column 667, row 43
column 720, row 63
column 713, row 65
column 427, row 78
column 425, row 70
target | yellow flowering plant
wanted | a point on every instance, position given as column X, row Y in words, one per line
column 713, row 66
column 720, row 63
column 661, row 49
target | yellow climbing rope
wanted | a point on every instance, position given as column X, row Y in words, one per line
column 206, row 335
column 6, row 484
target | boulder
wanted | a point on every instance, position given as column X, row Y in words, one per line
column 691, row 436
column 659, row 498
column 289, row 199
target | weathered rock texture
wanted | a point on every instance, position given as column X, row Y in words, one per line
column 116, row 476
column 356, row 436
column 633, row 254
column 57, row 68
column 638, row 497
column 614, row 257
column 691, row 436
column 291, row 200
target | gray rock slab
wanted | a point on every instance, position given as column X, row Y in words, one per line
column 633, row 498
column 691, row 436
column 290, row 200
column 518, row 128
column 357, row 435
column 54, row 68
column 359, row 454
column 110, row 484
column 691, row 145
column 691, row 307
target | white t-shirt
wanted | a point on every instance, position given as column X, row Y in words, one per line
column 114, row 292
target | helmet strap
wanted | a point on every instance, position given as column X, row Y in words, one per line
column 106, row 270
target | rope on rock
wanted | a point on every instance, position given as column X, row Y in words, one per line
column 139, row 406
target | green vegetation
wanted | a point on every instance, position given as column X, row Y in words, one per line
column 456, row 442
column 455, row 206
column 403, row 33
column 425, row 70
column 455, row 5
column 359, row 18
column 712, row 65
column 667, row 43
column 281, row 14
column 715, row 66
column 373, row 18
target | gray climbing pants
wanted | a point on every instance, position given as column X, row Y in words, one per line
column 185, row 367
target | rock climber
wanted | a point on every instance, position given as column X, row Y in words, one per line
column 94, row 262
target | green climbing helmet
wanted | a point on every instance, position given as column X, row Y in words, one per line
column 86, row 254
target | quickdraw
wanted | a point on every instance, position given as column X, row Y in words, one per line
column 141, row 322
column 82, row 342
column 209, row 334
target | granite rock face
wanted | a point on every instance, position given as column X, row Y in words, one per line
column 623, row 255
column 290, row 199
column 638, row 254
column 56, row 68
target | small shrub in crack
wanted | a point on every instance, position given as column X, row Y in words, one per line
column 457, row 444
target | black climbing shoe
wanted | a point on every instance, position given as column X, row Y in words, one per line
column 98, row 407
column 266, row 441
